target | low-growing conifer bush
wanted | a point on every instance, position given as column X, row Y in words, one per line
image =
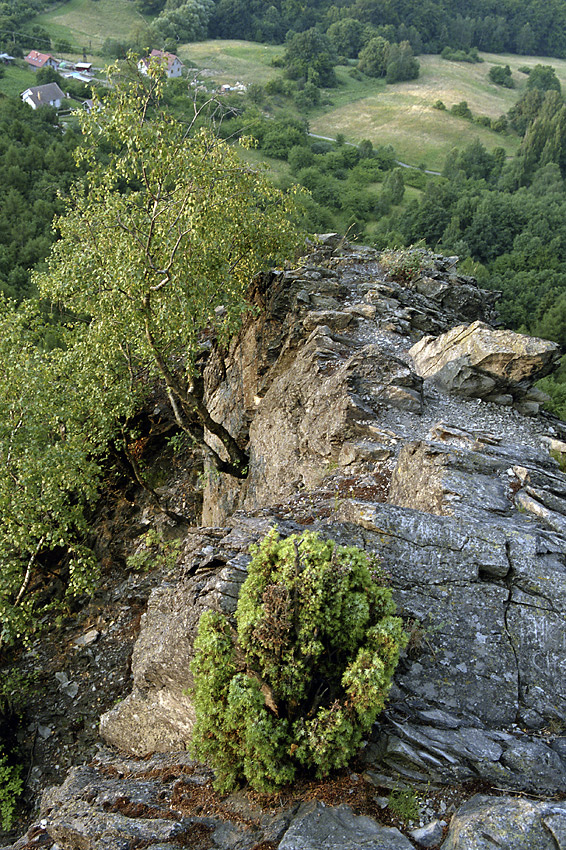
column 302, row 679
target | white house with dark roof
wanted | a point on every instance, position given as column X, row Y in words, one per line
column 37, row 60
column 48, row 95
column 171, row 63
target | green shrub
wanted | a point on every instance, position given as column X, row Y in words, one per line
column 154, row 552
column 303, row 679
column 404, row 803
column 501, row 75
column 10, row 789
column 15, row 689
column 454, row 55
column 406, row 264
column 500, row 124
column 461, row 110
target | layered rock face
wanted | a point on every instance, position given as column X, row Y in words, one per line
column 430, row 452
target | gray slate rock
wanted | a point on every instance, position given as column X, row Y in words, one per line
column 429, row 835
column 512, row 823
column 339, row 424
column 319, row 827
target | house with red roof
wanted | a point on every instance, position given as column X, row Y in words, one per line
column 37, row 60
column 172, row 64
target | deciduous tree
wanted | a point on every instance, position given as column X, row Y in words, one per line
column 158, row 248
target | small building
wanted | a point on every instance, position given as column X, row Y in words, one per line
column 171, row 63
column 37, row 60
column 6, row 59
column 48, row 95
column 226, row 87
column 84, row 67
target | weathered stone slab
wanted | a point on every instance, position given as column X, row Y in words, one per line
column 442, row 755
column 476, row 360
column 317, row 826
column 512, row 823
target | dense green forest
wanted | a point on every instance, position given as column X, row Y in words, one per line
column 529, row 27
column 36, row 170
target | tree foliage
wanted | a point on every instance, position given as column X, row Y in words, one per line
column 309, row 56
column 53, row 427
column 526, row 27
column 159, row 247
column 543, row 78
column 36, row 168
column 374, row 57
column 317, row 644
column 346, row 37
column 501, row 75
column 401, row 64
column 182, row 20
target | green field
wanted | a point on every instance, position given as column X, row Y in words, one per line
column 401, row 115
column 232, row 61
column 86, row 24
column 16, row 80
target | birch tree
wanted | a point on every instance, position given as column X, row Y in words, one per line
column 160, row 245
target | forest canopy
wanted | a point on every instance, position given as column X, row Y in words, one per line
column 529, row 27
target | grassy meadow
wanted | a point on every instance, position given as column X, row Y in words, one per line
column 86, row 24
column 401, row 115
column 232, row 61
column 16, row 80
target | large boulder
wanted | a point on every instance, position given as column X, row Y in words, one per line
column 336, row 828
column 477, row 361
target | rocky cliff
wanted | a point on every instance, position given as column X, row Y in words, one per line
column 392, row 416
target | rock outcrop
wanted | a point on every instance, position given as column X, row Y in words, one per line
column 480, row 362
column 420, row 451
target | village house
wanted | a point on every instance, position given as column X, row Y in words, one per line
column 37, row 60
column 171, row 63
column 48, row 95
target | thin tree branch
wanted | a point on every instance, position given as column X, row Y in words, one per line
column 27, row 576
